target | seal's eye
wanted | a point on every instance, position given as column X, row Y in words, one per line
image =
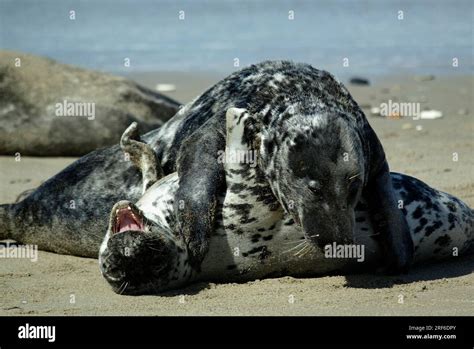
column 314, row 186
column 299, row 168
column 353, row 190
column 303, row 166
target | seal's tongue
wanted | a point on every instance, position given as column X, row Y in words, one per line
column 126, row 219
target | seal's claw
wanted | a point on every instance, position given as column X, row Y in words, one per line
column 197, row 251
column 130, row 133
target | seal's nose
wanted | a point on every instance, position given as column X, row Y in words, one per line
column 322, row 242
column 329, row 234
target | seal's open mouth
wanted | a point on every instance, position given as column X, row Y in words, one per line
column 127, row 218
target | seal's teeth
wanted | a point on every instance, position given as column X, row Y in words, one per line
column 129, row 208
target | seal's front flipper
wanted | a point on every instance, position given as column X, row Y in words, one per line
column 142, row 156
column 201, row 179
column 389, row 222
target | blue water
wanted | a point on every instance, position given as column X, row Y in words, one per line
column 215, row 32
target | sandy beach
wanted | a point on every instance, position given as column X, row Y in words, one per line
column 426, row 149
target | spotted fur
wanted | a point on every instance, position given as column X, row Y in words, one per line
column 317, row 150
column 256, row 238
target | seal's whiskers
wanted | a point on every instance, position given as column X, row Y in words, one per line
column 303, row 243
column 303, row 251
column 123, row 287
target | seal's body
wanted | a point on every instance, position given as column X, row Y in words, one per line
column 67, row 213
column 53, row 109
column 315, row 147
column 145, row 252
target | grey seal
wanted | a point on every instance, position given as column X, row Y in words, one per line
column 52, row 109
column 314, row 145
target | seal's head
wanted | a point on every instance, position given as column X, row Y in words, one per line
column 315, row 166
column 138, row 256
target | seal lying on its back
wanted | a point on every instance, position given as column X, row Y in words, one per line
column 144, row 252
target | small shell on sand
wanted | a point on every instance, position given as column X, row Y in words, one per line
column 165, row 87
column 375, row 111
column 430, row 114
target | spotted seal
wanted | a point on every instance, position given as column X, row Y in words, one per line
column 144, row 250
column 315, row 147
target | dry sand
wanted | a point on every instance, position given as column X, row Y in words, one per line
column 50, row 285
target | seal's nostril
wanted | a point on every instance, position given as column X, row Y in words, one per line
column 319, row 240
